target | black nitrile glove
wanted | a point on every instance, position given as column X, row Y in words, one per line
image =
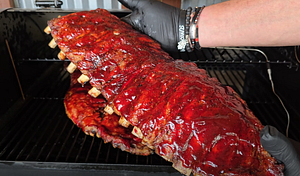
column 156, row 19
column 282, row 148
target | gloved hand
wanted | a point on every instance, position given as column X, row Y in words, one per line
column 282, row 148
column 156, row 19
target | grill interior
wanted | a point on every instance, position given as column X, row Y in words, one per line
column 36, row 130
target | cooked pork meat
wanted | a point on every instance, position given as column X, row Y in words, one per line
column 187, row 117
column 88, row 113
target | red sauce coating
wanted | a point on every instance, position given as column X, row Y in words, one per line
column 87, row 113
column 185, row 115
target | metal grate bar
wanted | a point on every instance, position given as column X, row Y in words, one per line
column 117, row 157
column 90, row 149
column 245, row 55
column 239, row 83
column 47, row 138
column 265, row 107
column 64, row 144
column 80, row 150
column 58, row 139
column 38, row 130
column 29, row 134
column 55, row 144
column 73, row 143
column 108, row 154
column 18, row 129
column 205, row 55
column 99, row 151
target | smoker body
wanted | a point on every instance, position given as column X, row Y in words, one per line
column 36, row 136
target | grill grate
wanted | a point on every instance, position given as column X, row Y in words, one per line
column 204, row 56
column 41, row 132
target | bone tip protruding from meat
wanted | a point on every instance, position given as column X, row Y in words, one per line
column 123, row 122
column 90, row 130
column 108, row 109
column 71, row 67
column 47, row 30
column 83, row 79
column 61, row 55
column 94, row 92
column 178, row 166
column 52, row 44
column 137, row 132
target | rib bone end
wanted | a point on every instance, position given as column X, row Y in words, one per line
column 61, row 55
column 123, row 122
column 137, row 132
column 71, row 68
column 94, row 92
column 47, row 30
column 83, row 79
column 178, row 166
column 52, row 43
column 109, row 110
column 90, row 130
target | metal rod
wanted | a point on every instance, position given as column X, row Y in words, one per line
column 49, row 136
column 271, row 81
column 127, row 158
column 107, row 154
column 117, row 157
column 80, row 150
column 33, row 134
column 20, row 127
column 99, row 150
column 90, row 149
column 73, row 144
column 29, row 116
column 64, row 143
column 16, row 73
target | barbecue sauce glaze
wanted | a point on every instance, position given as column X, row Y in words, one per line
column 189, row 118
column 88, row 113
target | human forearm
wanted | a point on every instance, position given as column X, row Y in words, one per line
column 250, row 23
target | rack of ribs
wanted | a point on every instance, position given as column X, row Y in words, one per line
column 88, row 113
column 185, row 116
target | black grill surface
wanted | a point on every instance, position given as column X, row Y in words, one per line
column 38, row 130
column 36, row 136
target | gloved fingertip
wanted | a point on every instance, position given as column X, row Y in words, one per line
column 127, row 19
column 268, row 132
column 270, row 137
column 264, row 131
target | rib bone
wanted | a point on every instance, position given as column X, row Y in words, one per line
column 124, row 122
column 83, row 79
column 137, row 132
column 47, row 30
column 90, row 130
column 94, row 92
column 109, row 110
column 71, row 68
column 61, row 55
column 52, row 44
column 178, row 166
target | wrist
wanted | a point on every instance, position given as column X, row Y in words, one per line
column 188, row 30
column 194, row 33
column 184, row 24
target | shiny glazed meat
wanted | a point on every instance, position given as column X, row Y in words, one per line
column 87, row 113
column 188, row 118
